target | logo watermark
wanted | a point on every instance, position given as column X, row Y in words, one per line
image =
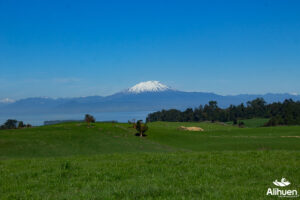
column 280, row 192
column 282, row 183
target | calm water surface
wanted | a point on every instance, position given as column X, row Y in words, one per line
column 37, row 120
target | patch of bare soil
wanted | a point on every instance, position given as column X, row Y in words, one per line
column 295, row 136
column 192, row 128
column 222, row 123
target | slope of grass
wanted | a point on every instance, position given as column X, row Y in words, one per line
column 106, row 161
column 73, row 139
column 221, row 137
column 206, row 175
column 77, row 139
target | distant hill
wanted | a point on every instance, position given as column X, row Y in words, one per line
column 145, row 96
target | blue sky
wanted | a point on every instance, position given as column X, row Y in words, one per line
column 80, row 48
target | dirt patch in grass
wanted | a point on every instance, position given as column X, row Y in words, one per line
column 295, row 136
column 192, row 128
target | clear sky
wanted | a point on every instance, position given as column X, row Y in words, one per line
column 80, row 48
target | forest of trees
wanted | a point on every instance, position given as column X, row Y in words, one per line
column 285, row 113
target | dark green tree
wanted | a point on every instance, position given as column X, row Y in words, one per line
column 89, row 119
column 21, row 124
column 141, row 127
column 10, row 124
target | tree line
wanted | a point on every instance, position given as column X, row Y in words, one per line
column 280, row 113
column 14, row 124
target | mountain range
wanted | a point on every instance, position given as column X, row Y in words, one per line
column 145, row 96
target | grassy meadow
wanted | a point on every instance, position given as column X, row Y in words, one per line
column 107, row 161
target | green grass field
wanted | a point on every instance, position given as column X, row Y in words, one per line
column 106, row 161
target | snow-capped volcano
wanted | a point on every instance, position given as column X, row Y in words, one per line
column 148, row 86
column 145, row 96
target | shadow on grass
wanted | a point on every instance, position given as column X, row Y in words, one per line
column 138, row 134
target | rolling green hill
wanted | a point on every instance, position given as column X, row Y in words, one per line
column 218, row 137
column 73, row 139
column 106, row 161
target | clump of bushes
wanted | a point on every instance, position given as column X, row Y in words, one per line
column 89, row 119
column 141, row 128
column 241, row 124
column 14, row 124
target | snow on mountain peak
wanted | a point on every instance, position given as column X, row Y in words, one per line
column 148, row 86
column 7, row 100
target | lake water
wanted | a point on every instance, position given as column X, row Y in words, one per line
column 37, row 120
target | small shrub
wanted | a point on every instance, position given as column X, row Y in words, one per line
column 141, row 127
column 89, row 119
column 241, row 124
column 66, row 165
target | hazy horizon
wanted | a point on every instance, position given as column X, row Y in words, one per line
column 10, row 100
